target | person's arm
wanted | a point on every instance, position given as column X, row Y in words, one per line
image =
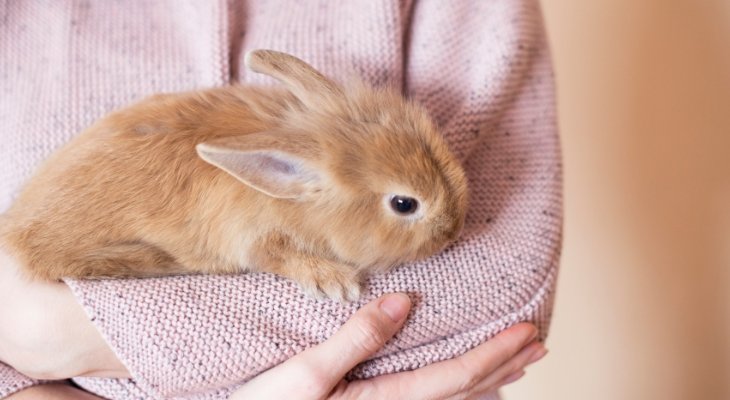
column 51, row 338
column 318, row 373
column 44, row 332
column 52, row 391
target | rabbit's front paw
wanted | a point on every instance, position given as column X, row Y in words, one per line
column 326, row 278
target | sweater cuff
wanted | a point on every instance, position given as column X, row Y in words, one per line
column 12, row 381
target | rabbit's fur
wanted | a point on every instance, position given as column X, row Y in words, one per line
column 295, row 182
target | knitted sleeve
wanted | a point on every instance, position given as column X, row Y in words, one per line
column 482, row 69
column 12, row 381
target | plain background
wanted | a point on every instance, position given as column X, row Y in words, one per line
column 643, row 303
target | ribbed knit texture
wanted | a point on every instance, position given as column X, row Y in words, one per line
column 480, row 67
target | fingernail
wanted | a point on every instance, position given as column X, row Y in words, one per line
column 396, row 306
column 513, row 377
column 537, row 355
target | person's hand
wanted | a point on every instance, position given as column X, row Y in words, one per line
column 317, row 373
column 50, row 337
column 44, row 332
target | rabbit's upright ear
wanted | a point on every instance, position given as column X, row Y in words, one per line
column 305, row 82
column 280, row 165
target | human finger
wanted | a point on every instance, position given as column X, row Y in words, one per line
column 313, row 373
column 458, row 375
column 512, row 369
column 361, row 336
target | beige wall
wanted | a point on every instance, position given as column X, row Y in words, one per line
column 643, row 307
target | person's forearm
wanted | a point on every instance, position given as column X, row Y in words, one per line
column 52, row 391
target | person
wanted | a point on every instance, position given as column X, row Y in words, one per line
column 65, row 64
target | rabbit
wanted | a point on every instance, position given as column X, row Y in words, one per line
column 314, row 181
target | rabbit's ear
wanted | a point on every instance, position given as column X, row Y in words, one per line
column 306, row 83
column 278, row 165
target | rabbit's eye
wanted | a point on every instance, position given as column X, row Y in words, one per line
column 404, row 205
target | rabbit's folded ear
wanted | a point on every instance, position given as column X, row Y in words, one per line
column 274, row 164
column 306, row 83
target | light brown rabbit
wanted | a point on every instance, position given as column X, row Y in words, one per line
column 319, row 184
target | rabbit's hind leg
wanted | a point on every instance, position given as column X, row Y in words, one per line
column 126, row 259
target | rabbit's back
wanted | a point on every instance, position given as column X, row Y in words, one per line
column 134, row 178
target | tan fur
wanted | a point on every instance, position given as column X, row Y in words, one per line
column 131, row 197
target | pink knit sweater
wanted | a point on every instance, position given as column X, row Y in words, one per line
column 480, row 67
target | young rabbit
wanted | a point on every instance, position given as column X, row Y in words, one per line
column 318, row 184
